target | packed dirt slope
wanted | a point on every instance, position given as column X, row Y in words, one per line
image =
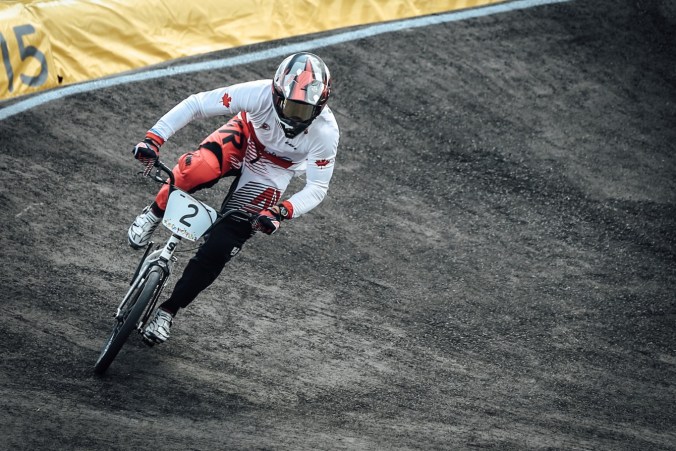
column 494, row 266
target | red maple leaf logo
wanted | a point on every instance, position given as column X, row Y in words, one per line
column 322, row 163
column 226, row 100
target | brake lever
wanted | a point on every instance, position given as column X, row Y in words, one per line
column 155, row 176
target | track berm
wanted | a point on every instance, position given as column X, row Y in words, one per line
column 494, row 266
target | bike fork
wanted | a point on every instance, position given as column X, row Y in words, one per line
column 163, row 261
column 140, row 263
column 160, row 258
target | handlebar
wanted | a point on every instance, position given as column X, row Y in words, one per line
column 162, row 167
column 250, row 216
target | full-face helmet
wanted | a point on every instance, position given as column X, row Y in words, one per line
column 300, row 90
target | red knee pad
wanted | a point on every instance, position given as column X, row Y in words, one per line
column 219, row 155
column 194, row 169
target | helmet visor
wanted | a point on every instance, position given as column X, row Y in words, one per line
column 297, row 111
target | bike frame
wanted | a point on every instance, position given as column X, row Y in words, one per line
column 186, row 217
column 161, row 258
column 164, row 257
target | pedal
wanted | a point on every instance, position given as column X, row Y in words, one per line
column 145, row 340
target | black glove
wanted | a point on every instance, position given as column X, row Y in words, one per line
column 267, row 221
column 147, row 152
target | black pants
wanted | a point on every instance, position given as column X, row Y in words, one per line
column 224, row 242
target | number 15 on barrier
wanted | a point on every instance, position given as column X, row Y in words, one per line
column 28, row 61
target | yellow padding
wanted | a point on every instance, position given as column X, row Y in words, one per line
column 26, row 56
column 49, row 43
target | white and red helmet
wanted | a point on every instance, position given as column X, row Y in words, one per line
column 300, row 90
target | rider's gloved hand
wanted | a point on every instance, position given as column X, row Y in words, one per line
column 147, row 151
column 269, row 220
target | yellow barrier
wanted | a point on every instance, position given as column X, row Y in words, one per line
column 27, row 57
column 44, row 44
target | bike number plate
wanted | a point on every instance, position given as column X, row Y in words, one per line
column 187, row 217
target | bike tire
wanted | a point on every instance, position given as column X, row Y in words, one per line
column 123, row 328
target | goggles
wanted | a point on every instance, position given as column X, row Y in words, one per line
column 297, row 111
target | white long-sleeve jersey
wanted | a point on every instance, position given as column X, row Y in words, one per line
column 312, row 152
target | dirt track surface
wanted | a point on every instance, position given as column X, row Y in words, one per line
column 494, row 267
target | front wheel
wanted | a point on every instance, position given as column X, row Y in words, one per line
column 137, row 304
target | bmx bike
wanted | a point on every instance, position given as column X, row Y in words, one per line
column 186, row 217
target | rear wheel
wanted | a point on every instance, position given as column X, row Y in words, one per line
column 137, row 304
